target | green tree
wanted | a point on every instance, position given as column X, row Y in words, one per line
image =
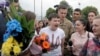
column 86, row 10
column 70, row 9
column 49, row 11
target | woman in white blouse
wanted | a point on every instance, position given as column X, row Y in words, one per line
column 80, row 37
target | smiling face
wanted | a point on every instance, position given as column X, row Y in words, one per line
column 79, row 26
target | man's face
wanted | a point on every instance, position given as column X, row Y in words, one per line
column 16, row 5
column 96, row 27
column 91, row 16
column 54, row 23
column 76, row 15
column 62, row 13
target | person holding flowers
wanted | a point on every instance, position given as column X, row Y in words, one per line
column 54, row 36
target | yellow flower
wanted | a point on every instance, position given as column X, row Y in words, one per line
column 21, row 44
column 10, row 39
column 7, row 45
column 16, row 50
column 11, row 45
column 6, row 52
column 15, row 42
column 6, row 48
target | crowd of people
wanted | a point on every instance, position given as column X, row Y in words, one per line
column 82, row 34
column 78, row 37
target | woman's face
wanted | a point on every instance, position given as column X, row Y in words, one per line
column 41, row 24
column 79, row 26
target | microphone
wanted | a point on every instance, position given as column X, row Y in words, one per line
column 70, row 43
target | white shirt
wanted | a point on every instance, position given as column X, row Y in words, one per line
column 55, row 38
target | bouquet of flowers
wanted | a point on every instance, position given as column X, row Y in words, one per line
column 42, row 41
column 18, row 34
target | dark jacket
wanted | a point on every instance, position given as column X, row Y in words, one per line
column 88, row 27
column 2, row 27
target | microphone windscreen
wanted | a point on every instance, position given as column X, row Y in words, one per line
column 70, row 43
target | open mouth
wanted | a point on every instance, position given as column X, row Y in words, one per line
column 56, row 25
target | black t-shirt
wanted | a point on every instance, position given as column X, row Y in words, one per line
column 88, row 27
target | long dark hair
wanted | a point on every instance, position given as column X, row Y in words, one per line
column 42, row 22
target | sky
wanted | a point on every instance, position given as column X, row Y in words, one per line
column 29, row 5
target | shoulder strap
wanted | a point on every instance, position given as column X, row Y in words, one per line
column 87, row 44
column 88, row 36
column 84, row 49
column 88, row 39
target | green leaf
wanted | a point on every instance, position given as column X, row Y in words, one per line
column 13, row 13
column 30, row 25
column 24, row 22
